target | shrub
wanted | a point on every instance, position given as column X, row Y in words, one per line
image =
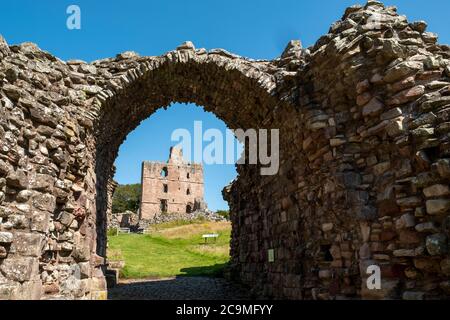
column 111, row 232
column 224, row 213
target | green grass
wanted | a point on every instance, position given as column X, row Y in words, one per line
column 172, row 250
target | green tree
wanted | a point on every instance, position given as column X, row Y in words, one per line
column 224, row 213
column 126, row 197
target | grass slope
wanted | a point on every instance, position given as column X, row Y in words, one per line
column 172, row 249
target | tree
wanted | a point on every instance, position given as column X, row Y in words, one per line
column 126, row 198
column 224, row 213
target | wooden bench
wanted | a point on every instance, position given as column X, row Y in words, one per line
column 210, row 236
column 123, row 230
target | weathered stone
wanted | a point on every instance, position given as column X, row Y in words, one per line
column 17, row 179
column 24, row 196
column 391, row 114
column 429, row 227
column 431, row 63
column 363, row 99
column 381, row 168
column 45, row 202
column 388, row 289
column 4, row 168
column 27, row 244
column 405, row 253
column 437, row 244
column 402, row 70
column 3, row 254
column 445, row 286
column 412, row 273
column 409, row 202
column 40, row 221
column 437, row 190
column 438, row 206
column 395, row 127
column 372, row 108
column 406, row 96
column 19, row 269
column 65, row 218
column 443, row 167
column 408, row 236
column 326, row 227
column 42, row 182
column 413, row 295
column 427, row 265
column 405, row 221
column 445, row 266
column 6, row 237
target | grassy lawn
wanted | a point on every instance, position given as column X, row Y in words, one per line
column 172, row 249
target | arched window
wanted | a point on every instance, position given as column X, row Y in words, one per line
column 188, row 191
column 164, row 172
column 165, row 188
column 188, row 175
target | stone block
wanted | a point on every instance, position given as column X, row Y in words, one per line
column 445, row 266
column 437, row 190
column 373, row 108
column 27, row 244
column 44, row 202
column 17, row 179
column 387, row 291
column 438, row 206
column 405, row 221
column 402, row 70
column 413, row 295
column 437, row 244
column 429, row 227
column 427, row 265
column 20, row 269
column 6, row 237
column 409, row 202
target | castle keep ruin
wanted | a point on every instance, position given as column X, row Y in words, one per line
column 364, row 119
column 175, row 187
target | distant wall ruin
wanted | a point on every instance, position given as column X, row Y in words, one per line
column 173, row 187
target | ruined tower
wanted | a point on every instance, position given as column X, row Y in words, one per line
column 172, row 187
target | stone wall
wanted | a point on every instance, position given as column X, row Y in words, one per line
column 368, row 182
column 364, row 146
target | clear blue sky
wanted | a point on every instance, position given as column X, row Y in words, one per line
column 257, row 29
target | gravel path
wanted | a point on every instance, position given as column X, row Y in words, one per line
column 179, row 288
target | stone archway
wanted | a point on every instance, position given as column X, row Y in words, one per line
column 364, row 169
column 238, row 91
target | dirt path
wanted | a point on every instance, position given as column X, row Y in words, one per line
column 179, row 288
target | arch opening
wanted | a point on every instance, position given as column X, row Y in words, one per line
column 239, row 98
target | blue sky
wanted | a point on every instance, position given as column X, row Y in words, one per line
column 257, row 29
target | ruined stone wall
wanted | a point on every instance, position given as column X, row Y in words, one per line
column 48, row 180
column 364, row 169
column 184, row 185
column 368, row 181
